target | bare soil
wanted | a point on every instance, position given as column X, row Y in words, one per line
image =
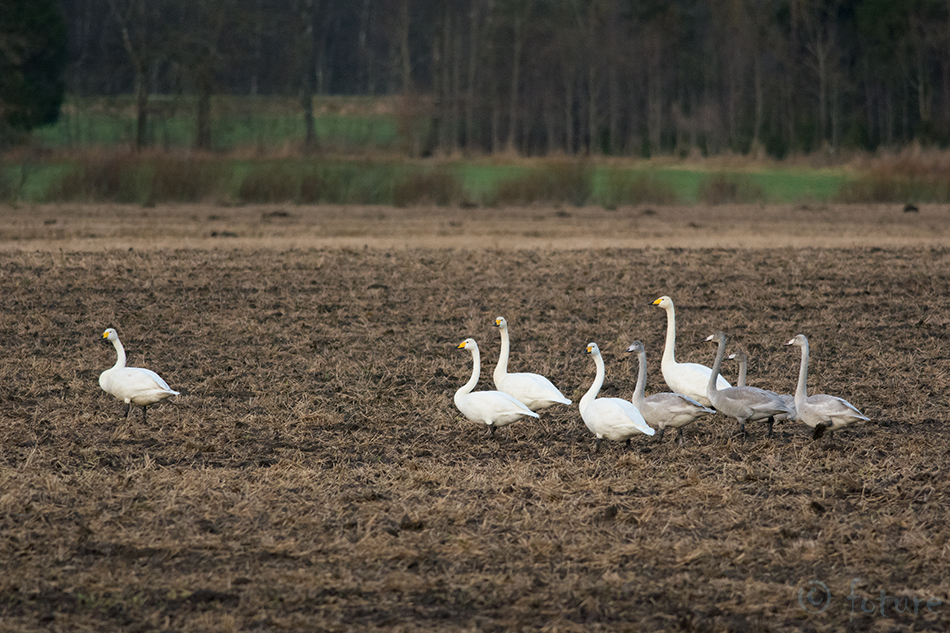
column 315, row 474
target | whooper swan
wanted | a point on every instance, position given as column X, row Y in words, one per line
column 821, row 411
column 614, row 418
column 745, row 404
column 689, row 379
column 662, row 410
column 787, row 398
column 132, row 385
column 534, row 390
column 493, row 408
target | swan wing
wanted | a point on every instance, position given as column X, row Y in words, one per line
column 615, row 419
column 534, row 390
column 137, row 385
column 492, row 407
column 822, row 408
column 691, row 379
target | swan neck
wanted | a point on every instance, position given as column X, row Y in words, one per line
column 597, row 384
column 501, row 369
column 743, row 368
column 714, row 375
column 801, row 391
column 476, row 369
column 638, row 393
column 668, row 353
column 120, row 353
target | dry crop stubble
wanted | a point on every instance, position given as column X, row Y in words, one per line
column 315, row 475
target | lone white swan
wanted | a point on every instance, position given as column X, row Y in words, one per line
column 821, row 412
column 132, row 385
column 534, row 390
column 612, row 418
column 662, row 410
column 494, row 408
column 689, row 379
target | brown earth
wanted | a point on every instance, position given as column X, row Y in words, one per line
column 315, row 474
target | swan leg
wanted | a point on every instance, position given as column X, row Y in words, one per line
column 128, row 410
column 742, row 428
column 771, row 422
column 491, row 431
column 144, row 409
column 597, row 445
column 659, row 434
column 680, row 436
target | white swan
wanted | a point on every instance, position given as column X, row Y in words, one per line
column 613, row 418
column 493, row 408
column 689, row 379
column 534, row 390
column 821, row 411
column 787, row 398
column 662, row 410
column 745, row 404
column 132, row 385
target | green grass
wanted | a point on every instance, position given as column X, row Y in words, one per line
column 237, row 122
column 150, row 177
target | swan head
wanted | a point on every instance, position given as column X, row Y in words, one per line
column 718, row 337
column 468, row 343
column 110, row 335
column 664, row 302
column 799, row 340
column 501, row 323
column 636, row 347
column 592, row 349
column 740, row 355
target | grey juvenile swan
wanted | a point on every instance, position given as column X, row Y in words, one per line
column 662, row 410
column 745, row 404
column 821, row 411
column 787, row 398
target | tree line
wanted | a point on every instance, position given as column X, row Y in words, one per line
column 599, row 77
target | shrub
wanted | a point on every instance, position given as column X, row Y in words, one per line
column 438, row 187
column 567, row 182
column 726, row 188
column 621, row 187
column 278, row 182
column 176, row 179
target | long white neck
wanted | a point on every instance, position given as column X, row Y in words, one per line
column 501, row 369
column 712, row 389
column 638, row 392
column 466, row 389
column 801, row 391
column 120, row 351
column 591, row 394
column 668, row 354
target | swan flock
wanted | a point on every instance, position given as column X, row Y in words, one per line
column 696, row 391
